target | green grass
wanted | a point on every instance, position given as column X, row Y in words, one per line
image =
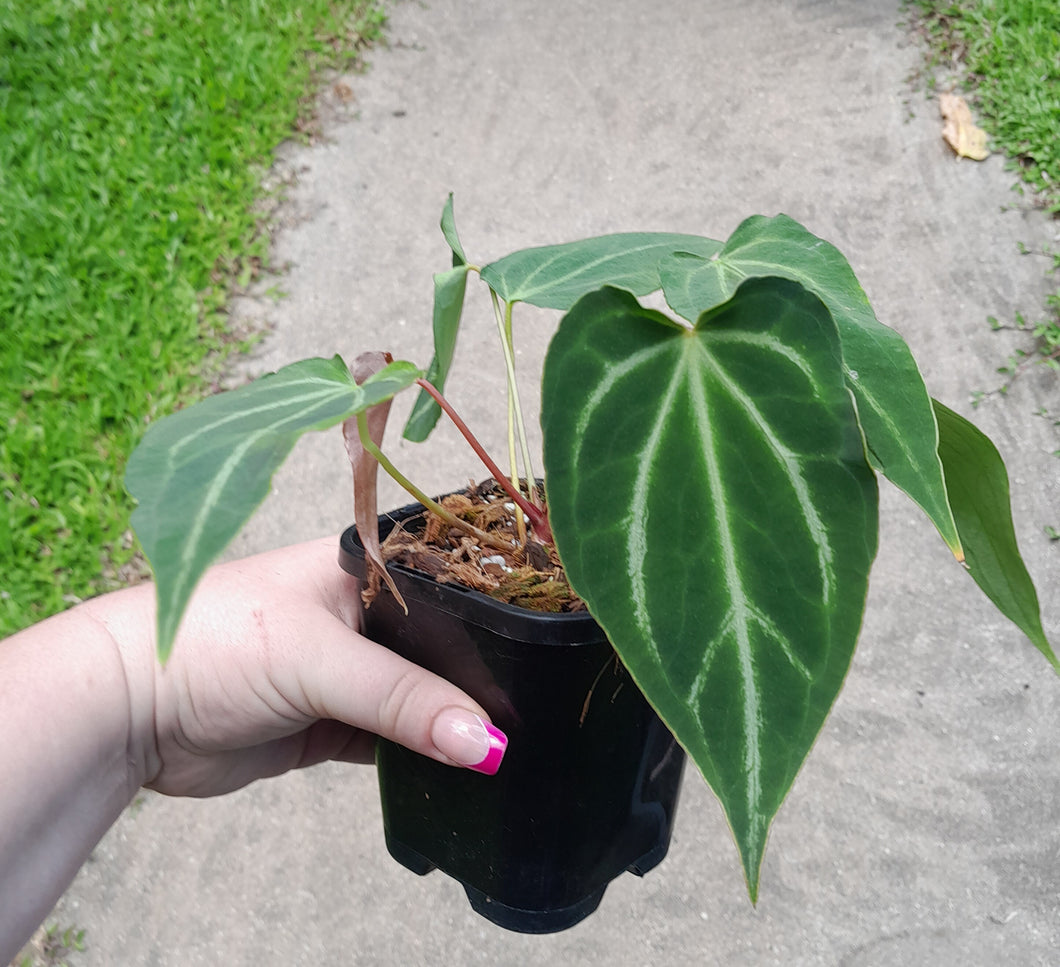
column 1008, row 52
column 50, row 946
column 1006, row 55
column 133, row 140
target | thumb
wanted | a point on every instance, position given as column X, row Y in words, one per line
column 370, row 687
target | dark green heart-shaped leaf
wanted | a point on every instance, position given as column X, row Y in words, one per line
column 978, row 489
column 556, row 276
column 893, row 404
column 711, row 502
column 199, row 474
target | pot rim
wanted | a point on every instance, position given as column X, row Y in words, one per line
column 539, row 627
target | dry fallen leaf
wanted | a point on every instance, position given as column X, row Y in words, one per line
column 959, row 130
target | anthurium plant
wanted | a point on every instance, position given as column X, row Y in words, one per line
column 710, row 474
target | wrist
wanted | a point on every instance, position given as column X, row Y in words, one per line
column 127, row 621
column 75, row 745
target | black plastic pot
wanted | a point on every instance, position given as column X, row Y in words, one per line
column 588, row 787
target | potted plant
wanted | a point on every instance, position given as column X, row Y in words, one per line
column 709, row 491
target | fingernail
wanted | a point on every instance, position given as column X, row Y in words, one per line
column 466, row 739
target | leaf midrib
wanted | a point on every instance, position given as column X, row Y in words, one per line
column 739, row 612
column 785, row 457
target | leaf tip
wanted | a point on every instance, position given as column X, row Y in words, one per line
column 164, row 645
column 394, row 591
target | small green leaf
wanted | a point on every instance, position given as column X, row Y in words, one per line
column 893, row 404
column 199, row 474
column 978, row 488
column 449, row 232
column 711, row 502
column 389, row 381
column 449, row 288
column 556, row 276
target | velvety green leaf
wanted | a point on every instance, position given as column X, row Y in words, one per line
column 978, row 488
column 449, row 288
column 711, row 502
column 556, row 276
column 893, row 403
column 199, row 474
column 449, row 232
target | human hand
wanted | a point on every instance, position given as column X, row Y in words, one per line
column 269, row 673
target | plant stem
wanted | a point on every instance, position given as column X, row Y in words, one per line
column 513, row 462
column 483, row 537
column 504, row 326
column 531, row 477
column 513, row 457
column 537, row 516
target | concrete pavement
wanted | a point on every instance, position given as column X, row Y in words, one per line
column 923, row 827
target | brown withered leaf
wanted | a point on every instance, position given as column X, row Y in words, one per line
column 365, row 474
column 959, row 130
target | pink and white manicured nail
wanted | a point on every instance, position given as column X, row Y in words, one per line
column 467, row 740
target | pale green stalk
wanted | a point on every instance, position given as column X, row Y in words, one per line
column 515, row 409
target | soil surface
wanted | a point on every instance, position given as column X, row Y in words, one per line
column 528, row 575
